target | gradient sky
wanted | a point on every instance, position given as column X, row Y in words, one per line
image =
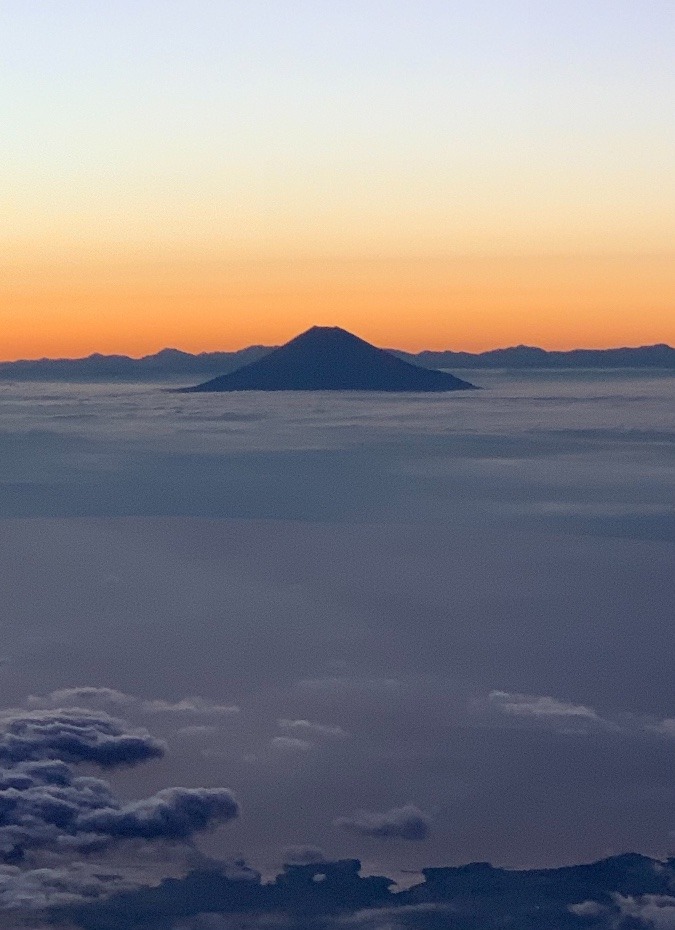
column 430, row 174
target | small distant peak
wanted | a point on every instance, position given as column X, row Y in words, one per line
column 326, row 330
column 168, row 353
column 326, row 335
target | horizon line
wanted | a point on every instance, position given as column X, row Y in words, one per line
column 271, row 347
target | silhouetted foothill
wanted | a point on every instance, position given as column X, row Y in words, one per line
column 629, row 891
column 327, row 358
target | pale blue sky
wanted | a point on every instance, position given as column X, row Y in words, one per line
column 116, row 97
column 147, row 132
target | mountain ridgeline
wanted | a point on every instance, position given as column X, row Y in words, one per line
column 175, row 365
column 327, row 358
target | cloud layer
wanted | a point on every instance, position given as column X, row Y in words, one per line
column 310, row 600
column 52, row 819
column 621, row 893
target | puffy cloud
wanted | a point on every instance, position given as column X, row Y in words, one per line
column 50, row 815
column 399, row 823
column 171, row 814
column 45, row 806
column 74, row 735
column 586, row 909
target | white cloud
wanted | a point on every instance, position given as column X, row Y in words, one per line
column 526, row 705
column 312, row 729
column 569, row 717
column 654, row 911
column 85, row 696
column 290, row 743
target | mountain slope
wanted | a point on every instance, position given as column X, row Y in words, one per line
column 331, row 359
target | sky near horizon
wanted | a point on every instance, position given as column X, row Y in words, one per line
column 430, row 175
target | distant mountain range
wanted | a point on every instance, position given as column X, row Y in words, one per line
column 656, row 356
column 328, row 358
column 174, row 365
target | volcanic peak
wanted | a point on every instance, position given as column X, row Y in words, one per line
column 329, row 358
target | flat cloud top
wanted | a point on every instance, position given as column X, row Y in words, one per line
column 391, row 629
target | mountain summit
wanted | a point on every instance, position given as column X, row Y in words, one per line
column 327, row 358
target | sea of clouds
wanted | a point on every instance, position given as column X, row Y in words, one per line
column 241, row 630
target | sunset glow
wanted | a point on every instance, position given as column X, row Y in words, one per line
column 464, row 303
column 442, row 179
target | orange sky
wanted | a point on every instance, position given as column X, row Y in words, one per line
column 428, row 175
column 72, row 308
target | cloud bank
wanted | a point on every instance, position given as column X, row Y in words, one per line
column 53, row 820
column 622, row 893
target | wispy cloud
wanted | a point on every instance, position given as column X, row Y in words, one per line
column 569, row 717
column 544, row 706
column 319, row 730
column 290, row 744
column 109, row 697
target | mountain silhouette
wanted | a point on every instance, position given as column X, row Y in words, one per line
column 327, row 358
column 623, row 891
column 171, row 364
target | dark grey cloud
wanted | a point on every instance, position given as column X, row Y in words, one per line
column 74, row 735
column 399, row 823
column 621, row 893
column 171, row 814
column 52, row 819
column 45, row 806
column 300, row 855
